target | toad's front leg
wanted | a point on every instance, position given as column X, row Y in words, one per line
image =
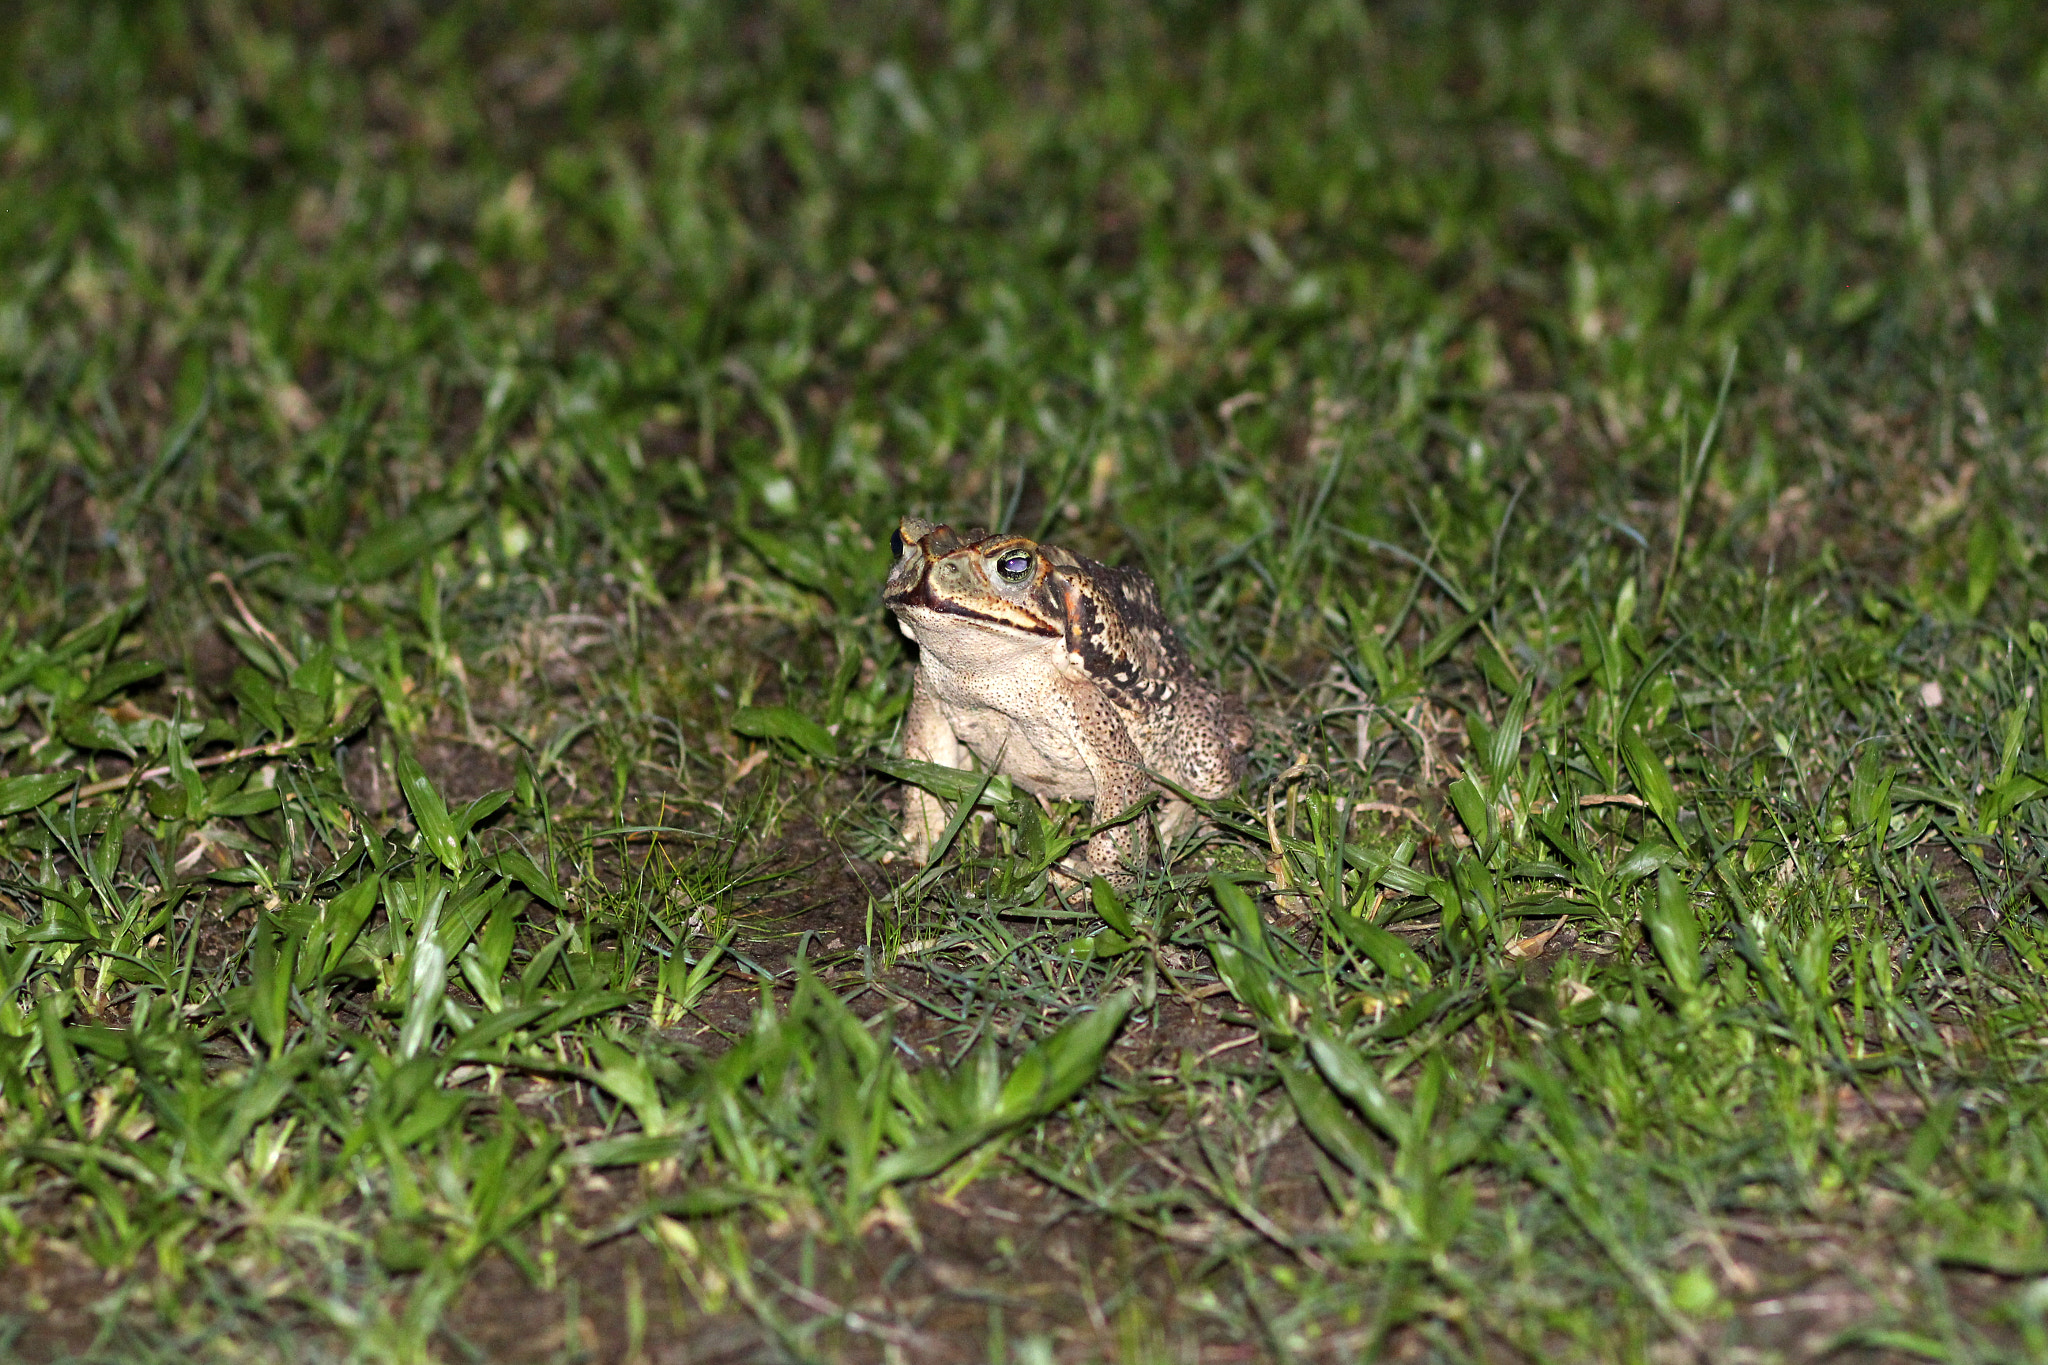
column 928, row 737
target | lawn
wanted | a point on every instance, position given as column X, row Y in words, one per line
column 450, row 900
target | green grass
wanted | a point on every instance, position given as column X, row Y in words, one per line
column 447, row 459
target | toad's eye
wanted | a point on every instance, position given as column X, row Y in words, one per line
column 1014, row 567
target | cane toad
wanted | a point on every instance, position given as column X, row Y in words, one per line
column 1060, row 673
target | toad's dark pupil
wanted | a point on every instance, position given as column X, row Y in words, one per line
column 1014, row 567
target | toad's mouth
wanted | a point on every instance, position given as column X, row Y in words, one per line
column 995, row 612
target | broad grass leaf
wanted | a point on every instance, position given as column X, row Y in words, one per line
column 1252, row 984
column 1354, row 1079
column 1505, row 746
column 1098, row 947
column 1325, row 1116
column 479, row 1041
column 468, row 909
column 577, row 1006
column 1855, row 303
column 258, row 700
column 341, row 919
column 1240, row 912
column 60, row 1059
column 1387, row 662
column 829, row 1016
column 430, row 1112
column 684, row 982
column 801, row 564
column 223, row 1118
column 968, row 1094
column 1474, row 812
column 48, row 666
column 115, row 677
column 480, row 810
column 629, row 1080
column 105, row 859
column 112, row 1044
column 1674, row 932
column 2013, row 725
column 276, row 960
column 304, row 712
column 520, row 868
column 1909, row 794
column 1982, row 1248
column 963, row 810
column 1646, row 858
column 397, row 543
column 1404, row 879
column 1932, row 1138
column 1031, row 836
column 1110, row 907
column 1478, row 741
column 190, row 785
column 484, row 961
column 786, row 724
column 1387, row 951
column 21, row 663
column 404, row 1247
column 426, row 969
column 704, row 1201
column 429, row 811
column 1984, row 552
column 1600, row 652
column 352, row 718
column 535, row 974
column 88, row 727
column 316, row 677
column 1870, row 796
column 250, row 801
column 838, row 561
column 1447, row 639
column 1542, row 870
column 1053, row 1069
column 18, row 794
column 1813, row 963
column 1652, row 782
column 1469, row 1136
column 63, row 922
column 2007, row 797
column 1049, row 1074
column 948, row 784
column 636, row 1149
column 1412, row 1016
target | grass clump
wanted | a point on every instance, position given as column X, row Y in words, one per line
column 447, row 715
